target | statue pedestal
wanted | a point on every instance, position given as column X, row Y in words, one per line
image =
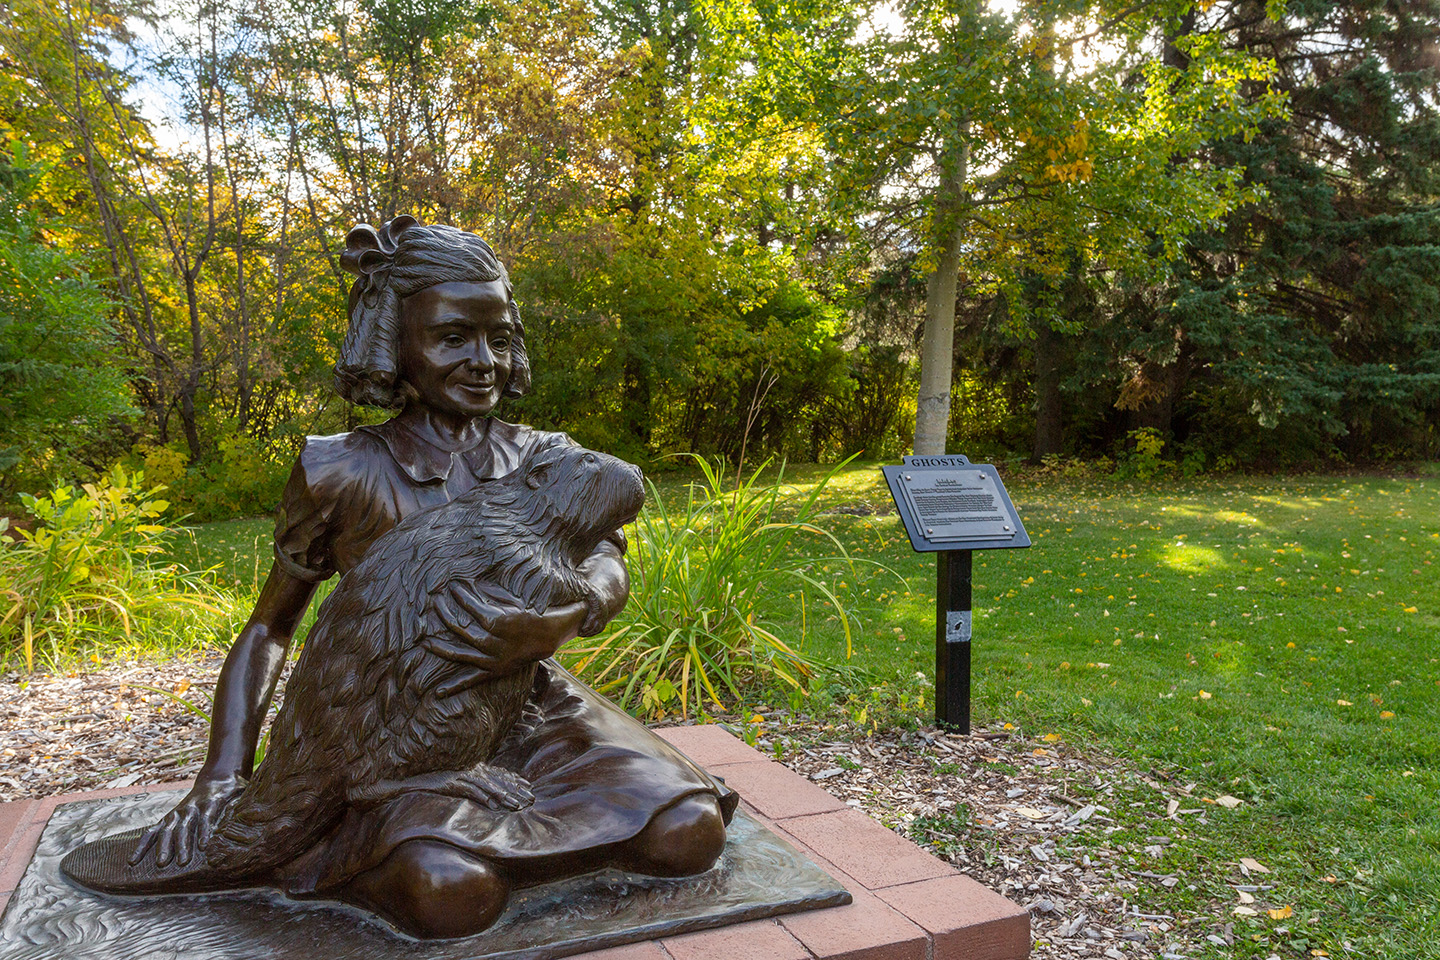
column 907, row 905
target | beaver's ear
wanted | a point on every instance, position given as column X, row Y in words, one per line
column 538, row 474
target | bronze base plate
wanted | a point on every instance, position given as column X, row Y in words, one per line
column 758, row 875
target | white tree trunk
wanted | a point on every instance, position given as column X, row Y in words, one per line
column 932, row 409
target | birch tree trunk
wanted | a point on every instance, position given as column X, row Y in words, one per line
column 932, row 408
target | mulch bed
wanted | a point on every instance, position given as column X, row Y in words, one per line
column 996, row 804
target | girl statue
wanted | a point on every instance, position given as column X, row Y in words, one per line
column 434, row 333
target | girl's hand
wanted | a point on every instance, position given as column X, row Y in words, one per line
column 496, row 636
column 184, row 830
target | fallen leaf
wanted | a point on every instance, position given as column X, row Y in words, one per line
column 1229, row 802
column 1255, row 865
column 182, row 686
column 1030, row 813
column 1245, row 897
column 1244, row 912
column 1171, row 807
column 1387, row 715
column 1282, row 913
column 1051, row 738
column 1329, row 879
column 1204, row 695
column 1344, row 703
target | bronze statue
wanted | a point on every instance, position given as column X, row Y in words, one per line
column 429, row 756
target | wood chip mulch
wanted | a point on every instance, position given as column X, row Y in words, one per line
column 999, row 806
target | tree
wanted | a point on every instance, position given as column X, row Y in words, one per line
column 1319, row 309
column 1006, row 156
column 62, row 383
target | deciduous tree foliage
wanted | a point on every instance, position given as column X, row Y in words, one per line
column 62, row 384
column 743, row 228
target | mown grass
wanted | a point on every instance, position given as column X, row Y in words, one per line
column 1269, row 638
column 1273, row 639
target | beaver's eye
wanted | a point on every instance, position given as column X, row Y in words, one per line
column 590, row 458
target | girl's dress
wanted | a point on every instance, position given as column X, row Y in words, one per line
column 599, row 777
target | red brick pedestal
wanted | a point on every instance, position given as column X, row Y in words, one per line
column 908, row 904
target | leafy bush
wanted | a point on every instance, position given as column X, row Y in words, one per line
column 705, row 580
column 62, row 387
column 1143, row 462
column 91, row 577
column 246, row 482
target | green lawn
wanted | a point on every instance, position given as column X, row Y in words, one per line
column 1272, row 639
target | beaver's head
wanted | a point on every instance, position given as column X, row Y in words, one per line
column 581, row 495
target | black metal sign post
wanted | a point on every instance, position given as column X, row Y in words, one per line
column 952, row 639
column 952, row 507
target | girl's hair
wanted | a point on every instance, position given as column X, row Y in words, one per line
column 401, row 258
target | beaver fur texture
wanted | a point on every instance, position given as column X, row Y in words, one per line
column 372, row 710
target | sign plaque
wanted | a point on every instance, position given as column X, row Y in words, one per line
column 950, row 507
column 949, row 503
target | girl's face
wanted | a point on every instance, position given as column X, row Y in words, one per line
column 455, row 346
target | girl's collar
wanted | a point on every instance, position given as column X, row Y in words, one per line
column 494, row 453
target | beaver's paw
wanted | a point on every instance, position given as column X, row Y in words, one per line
column 492, row 787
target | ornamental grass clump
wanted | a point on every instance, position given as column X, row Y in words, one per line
column 708, row 581
column 91, row 579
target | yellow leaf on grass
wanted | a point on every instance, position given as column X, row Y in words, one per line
column 1051, row 737
column 1344, row 703
column 1282, row 913
column 1205, row 695
column 1412, row 610
column 1387, row 715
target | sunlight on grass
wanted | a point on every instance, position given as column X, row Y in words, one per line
column 1192, row 559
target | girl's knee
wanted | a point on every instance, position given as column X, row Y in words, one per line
column 683, row 839
column 433, row 890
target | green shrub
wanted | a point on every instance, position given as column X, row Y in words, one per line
column 246, row 480
column 1142, row 461
column 63, row 387
column 91, row 578
column 705, row 582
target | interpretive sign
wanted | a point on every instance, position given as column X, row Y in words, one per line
column 950, row 507
column 949, row 503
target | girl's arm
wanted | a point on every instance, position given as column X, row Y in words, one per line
column 242, row 694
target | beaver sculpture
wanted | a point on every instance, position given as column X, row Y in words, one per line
column 372, row 709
